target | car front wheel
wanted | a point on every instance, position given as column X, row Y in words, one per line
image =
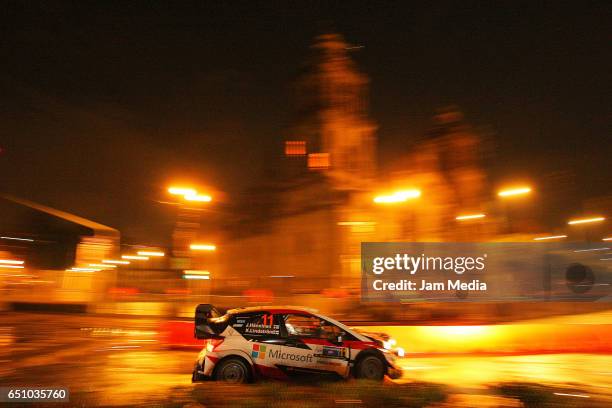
column 232, row 370
column 370, row 368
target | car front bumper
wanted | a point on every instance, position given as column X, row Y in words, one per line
column 394, row 372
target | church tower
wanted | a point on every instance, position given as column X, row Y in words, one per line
column 332, row 132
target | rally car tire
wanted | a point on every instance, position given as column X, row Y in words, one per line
column 370, row 368
column 232, row 370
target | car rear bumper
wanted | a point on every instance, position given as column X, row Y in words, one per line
column 198, row 373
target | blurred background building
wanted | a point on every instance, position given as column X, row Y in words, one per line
column 322, row 203
column 39, row 244
column 297, row 238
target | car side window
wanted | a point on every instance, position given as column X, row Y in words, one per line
column 301, row 325
column 258, row 325
column 330, row 331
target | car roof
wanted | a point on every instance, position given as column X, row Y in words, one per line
column 272, row 309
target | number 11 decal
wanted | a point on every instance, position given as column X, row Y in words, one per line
column 267, row 320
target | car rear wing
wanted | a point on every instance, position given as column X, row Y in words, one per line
column 209, row 322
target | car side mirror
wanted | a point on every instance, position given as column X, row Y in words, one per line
column 339, row 339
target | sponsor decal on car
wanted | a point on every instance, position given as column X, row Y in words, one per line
column 333, row 352
column 328, row 352
column 258, row 352
column 280, row 355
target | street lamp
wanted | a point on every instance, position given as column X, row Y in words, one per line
column 198, row 197
column 550, row 237
column 585, row 224
column 203, row 247
column 135, row 257
column 11, row 262
column 586, row 220
column 182, row 191
column 12, row 266
column 508, row 194
column 469, row 217
column 189, row 194
column 183, row 230
column 516, row 191
column 397, row 197
column 150, row 253
column 115, row 262
column 195, row 274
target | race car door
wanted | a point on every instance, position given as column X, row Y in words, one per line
column 312, row 346
column 262, row 331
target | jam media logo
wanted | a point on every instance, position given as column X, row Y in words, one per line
column 259, row 351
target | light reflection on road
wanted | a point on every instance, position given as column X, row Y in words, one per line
column 592, row 370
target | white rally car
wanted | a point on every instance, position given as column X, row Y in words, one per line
column 282, row 342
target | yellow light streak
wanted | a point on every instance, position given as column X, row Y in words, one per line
column 585, row 220
column 550, row 237
column 203, row 247
column 514, row 191
column 11, row 261
column 135, row 257
column 151, row 253
column 469, row 217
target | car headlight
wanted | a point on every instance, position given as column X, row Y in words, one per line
column 388, row 345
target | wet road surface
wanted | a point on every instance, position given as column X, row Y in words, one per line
column 120, row 361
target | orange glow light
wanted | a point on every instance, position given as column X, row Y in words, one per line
column 586, row 220
column 397, row 197
column 295, row 148
column 11, row 262
column 182, row 191
column 82, row 270
column 115, row 262
column 550, row 237
column 514, row 191
column 198, row 197
column 195, row 272
column 135, row 257
column 318, row 161
column 150, row 253
column 469, row 217
column 203, row 247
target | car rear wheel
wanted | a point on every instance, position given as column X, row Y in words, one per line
column 232, row 370
column 370, row 368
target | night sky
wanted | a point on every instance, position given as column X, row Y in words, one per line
column 104, row 104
